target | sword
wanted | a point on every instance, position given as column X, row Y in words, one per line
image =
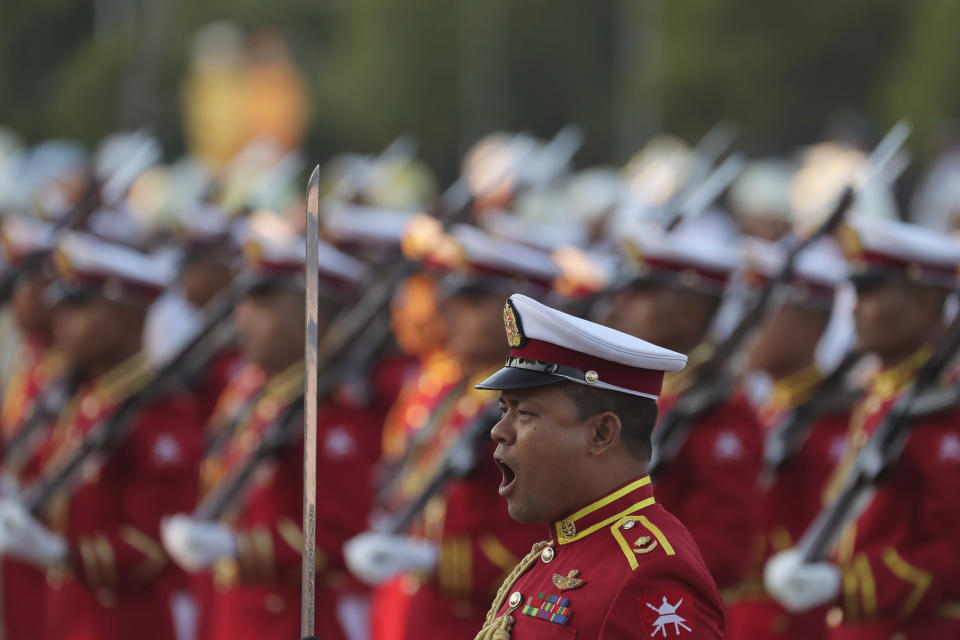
column 311, row 347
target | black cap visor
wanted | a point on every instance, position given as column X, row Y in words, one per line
column 61, row 293
column 515, row 378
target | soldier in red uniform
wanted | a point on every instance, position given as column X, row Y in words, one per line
column 784, row 349
column 254, row 550
column 573, row 443
column 208, row 263
column 27, row 249
column 436, row 580
column 711, row 485
column 107, row 574
column 895, row 571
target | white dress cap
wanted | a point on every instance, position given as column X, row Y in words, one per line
column 547, row 346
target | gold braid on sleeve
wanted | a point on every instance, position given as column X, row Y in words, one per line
column 495, row 628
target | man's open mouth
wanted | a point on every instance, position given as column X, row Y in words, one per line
column 509, row 476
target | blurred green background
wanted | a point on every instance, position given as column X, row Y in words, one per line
column 450, row 70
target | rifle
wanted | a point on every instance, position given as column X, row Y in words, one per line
column 51, row 401
column 712, row 383
column 109, row 432
column 285, row 429
column 790, row 432
column 459, row 460
column 881, row 452
column 280, row 435
column 104, row 436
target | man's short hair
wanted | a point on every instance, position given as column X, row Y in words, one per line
column 637, row 414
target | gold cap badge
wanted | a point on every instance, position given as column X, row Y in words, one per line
column 515, row 337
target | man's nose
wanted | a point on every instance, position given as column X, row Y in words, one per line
column 500, row 432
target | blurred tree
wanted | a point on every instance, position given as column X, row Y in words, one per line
column 446, row 71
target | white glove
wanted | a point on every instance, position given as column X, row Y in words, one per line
column 375, row 557
column 22, row 536
column 9, row 485
column 196, row 544
column 799, row 586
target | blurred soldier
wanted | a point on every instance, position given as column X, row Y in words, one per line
column 711, row 486
column 98, row 540
column 255, row 548
column 419, row 330
column 573, row 444
column 895, row 570
column 784, row 349
column 210, row 253
column 27, row 250
column 437, row 581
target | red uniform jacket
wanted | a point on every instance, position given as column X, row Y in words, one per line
column 901, row 560
column 790, row 502
column 257, row 594
column 711, row 486
column 621, row 567
column 118, row 582
column 478, row 541
column 24, row 584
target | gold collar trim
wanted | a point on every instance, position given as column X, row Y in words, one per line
column 598, row 514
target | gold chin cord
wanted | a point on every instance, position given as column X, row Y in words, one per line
column 495, row 628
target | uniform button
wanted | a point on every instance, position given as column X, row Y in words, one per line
column 834, row 617
column 515, row 599
column 629, row 524
column 547, row 554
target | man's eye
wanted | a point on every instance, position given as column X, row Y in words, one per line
column 526, row 414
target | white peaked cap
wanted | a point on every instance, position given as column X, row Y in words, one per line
column 548, row 346
column 504, row 257
column 817, row 272
column 119, row 273
column 366, row 225
column 21, row 236
column 540, row 234
column 688, row 257
column 881, row 248
column 822, row 261
column 275, row 250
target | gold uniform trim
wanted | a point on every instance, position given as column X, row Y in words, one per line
column 496, row 553
column 637, row 506
column 455, row 566
column 88, row 557
column 263, row 550
column 246, row 558
column 105, row 556
column 154, row 558
column 851, row 603
column 905, row 571
column 868, row 587
column 599, row 504
column 291, row 534
column 617, row 531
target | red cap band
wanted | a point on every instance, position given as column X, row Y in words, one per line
column 646, row 381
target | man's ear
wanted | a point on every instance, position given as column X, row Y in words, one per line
column 604, row 432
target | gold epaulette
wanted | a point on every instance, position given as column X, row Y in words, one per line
column 638, row 537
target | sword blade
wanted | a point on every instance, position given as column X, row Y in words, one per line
column 311, row 342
